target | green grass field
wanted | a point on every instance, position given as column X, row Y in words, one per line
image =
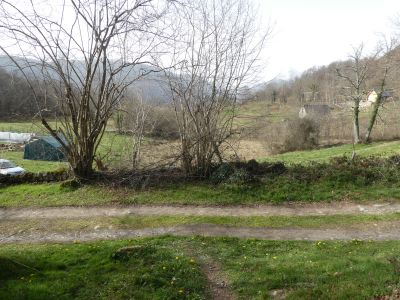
column 304, row 270
column 168, row 268
column 281, row 190
column 22, row 127
column 383, row 149
column 153, row 270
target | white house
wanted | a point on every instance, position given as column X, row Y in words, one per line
column 373, row 96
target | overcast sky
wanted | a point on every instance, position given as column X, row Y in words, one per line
column 316, row 32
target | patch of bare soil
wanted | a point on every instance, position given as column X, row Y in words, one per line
column 291, row 209
column 218, row 284
column 297, row 234
column 394, row 296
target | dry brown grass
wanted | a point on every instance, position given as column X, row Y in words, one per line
column 265, row 134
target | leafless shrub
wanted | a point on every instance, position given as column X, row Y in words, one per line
column 215, row 53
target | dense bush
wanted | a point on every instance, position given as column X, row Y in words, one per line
column 343, row 171
column 301, row 134
column 159, row 121
column 162, row 123
column 244, row 172
column 222, row 173
column 241, row 176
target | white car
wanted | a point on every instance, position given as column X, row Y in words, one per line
column 9, row 168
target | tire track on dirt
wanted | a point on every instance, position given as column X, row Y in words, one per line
column 207, row 230
column 294, row 209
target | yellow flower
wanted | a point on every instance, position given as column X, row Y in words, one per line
column 192, row 261
column 274, row 257
column 180, row 291
column 177, row 257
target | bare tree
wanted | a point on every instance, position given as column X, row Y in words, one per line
column 385, row 65
column 86, row 53
column 137, row 123
column 215, row 52
column 355, row 73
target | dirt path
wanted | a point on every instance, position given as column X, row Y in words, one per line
column 218, row 283
column 298, row 234
column 384, row 231
column 309, row 209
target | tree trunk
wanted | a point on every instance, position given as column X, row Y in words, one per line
column 373, row 118
column 83, row 168
column 356, row 125
column 82, row 163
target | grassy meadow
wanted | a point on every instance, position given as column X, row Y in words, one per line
column 380, row 149
column 171, row 268
column 153, row 270
column 279, row 190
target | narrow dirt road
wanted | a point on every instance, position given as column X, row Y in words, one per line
column 298, row 209
column 297, row 234
column 378, row 232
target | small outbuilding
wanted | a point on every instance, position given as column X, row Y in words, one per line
column 314, row 110
column 44, row 148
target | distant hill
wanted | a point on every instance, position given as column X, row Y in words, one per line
column 152, row 87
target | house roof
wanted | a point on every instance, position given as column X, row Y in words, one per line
column 319, row 108
column 387, row 94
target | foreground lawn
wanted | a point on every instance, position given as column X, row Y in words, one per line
column 384, row 149
column 168, row 268
column 304, row 270
column 153, row 270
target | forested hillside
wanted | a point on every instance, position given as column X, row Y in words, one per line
column 323, row 85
